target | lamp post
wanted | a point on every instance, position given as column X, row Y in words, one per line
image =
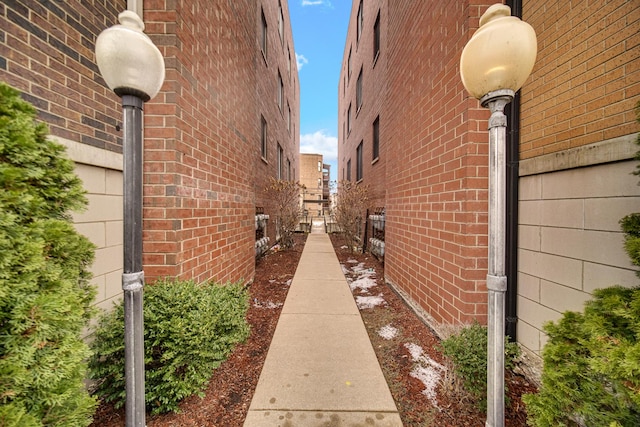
column 133, row 68
column 494, row 64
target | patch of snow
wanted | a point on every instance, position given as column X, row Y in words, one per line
column 288, row 282
column 352, row 261
column 363, row 283
column 345, row 270
column 426, row 370
column 369, row 302
column 268, row 304
column 388, row 332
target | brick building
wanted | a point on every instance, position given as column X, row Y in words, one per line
column 226, row 119
column 314, row 175
column 409, row 130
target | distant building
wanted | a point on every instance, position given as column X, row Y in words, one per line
column 314, row 176
column 227, row 119
column 409, row 130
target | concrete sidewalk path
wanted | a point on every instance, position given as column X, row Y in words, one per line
column 321, row 369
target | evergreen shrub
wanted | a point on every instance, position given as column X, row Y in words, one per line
column 467, row 351
column 591, row 372
column 189, row 330
column 45, row 295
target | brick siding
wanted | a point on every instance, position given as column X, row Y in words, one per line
column 203, row 169
column 586, row 82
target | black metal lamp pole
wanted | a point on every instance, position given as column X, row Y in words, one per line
column 133, row 67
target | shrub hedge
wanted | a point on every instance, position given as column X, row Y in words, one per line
column 45, row 295
column 189, row 329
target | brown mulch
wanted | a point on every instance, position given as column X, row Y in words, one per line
column 454, row 407
column 231, row 389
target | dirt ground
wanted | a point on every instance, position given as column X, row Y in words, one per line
column 229, row 393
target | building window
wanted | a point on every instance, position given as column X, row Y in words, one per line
column 376, row 138
column 359, row 161
column 376, row 38
column 349, row 170
column 280, row 23
column 288, row 117
column 263, row 40
column 280, row 91
column 288, row 169
column 360, row 23
column 263, row 137
column 319, row 166
column 280, row 165
column 349, row 120
column 289, row 63
column 349, row 64
column 359, row 91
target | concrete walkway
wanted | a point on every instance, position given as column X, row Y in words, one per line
column 321, row 369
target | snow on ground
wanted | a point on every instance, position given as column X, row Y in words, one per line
column 369, row 302
column 266, row 304
column 363, row 283
column 388, row 332
column 426, row 370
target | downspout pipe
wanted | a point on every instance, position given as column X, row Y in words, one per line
column 513, row 157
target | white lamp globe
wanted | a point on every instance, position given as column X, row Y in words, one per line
column 128, row 60
column 499, row 55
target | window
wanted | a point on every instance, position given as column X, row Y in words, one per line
column 263, row 40
column 349, row 170
column 288, row 117
column 349, row 120
column 359, row 161
column 280, row 165
column 319, row 166
column 376, row 138
column 289, row 62
column 263, row 137
column 360, row 22
column 288, row 169
column 376, row 38
column 280, row 91
column 359, row 91
column 349, row 64
column 319, row 182
column 280, row 23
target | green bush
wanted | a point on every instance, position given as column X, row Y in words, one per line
column 189, row 329
column 591, row 370
column 631, row 226
column 45, row 296
column 468, row 353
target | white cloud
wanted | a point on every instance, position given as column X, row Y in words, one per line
column 313, row 2
column 301, row 60
column 320, row 143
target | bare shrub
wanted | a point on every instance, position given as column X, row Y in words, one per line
column 285, row 197
column 352, row 202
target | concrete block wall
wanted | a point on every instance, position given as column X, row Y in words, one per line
column 101, row 175
column 570, row 240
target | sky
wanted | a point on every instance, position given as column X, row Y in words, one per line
column 319, row 36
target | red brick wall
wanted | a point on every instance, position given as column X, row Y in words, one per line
column 438, row 168
column 433, row 152
column 374, row 74
column 586, row 81
column 203, row 169
column 47, row 52
column 203, row 166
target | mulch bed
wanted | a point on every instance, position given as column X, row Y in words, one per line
column 231, row 389
column 454, row 406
